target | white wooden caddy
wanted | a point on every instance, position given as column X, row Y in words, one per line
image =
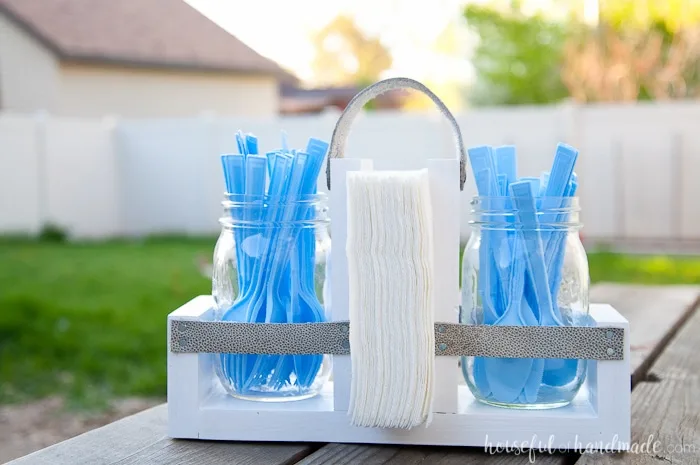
column 199, row 408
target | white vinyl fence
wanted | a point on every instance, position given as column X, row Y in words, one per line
column 638, row 168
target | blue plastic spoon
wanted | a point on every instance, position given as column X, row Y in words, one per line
column 507, row 377
column 557, row 372
column 257, row 246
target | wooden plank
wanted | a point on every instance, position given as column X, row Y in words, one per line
column 358, row 454
column 666, row 406
column 140, row 439
column 654, row 313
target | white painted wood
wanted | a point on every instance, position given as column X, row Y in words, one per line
column 609, row 382
column 689, row 189
column 646, row 186
column 342, row 368
column 189, row 375
column 445, row 200
column 600, row 414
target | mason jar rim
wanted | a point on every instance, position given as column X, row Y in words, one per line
column 245, row 211
column 252, row 200
column 570, row 203
column 552, row 213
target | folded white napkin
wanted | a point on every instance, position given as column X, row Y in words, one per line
column 390, row 272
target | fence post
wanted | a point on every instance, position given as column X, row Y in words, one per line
column 110, row 124
column 41, row 138
column 677, row 198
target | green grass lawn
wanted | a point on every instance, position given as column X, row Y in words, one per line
column 87, row 320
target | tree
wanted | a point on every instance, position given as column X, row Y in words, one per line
column 346, row 56
column 668, row 15
column 614, row 65
column 642, row 50
column 448, row 48
column 518, row 57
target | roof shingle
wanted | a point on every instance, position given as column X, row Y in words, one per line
column 157, row 33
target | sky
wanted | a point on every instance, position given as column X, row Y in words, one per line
column 282, row 30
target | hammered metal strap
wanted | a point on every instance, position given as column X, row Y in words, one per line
column 342, row 127
column 591, row 343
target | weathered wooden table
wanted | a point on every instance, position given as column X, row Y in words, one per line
column 665, row 340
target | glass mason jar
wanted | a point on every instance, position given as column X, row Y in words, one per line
column 503, row 284
column 270, row 267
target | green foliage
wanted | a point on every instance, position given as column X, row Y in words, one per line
column 518, row 58
column 665, row 15
column 52, row 233
column 87, row 320
column 644, row 269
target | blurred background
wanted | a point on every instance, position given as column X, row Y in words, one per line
column 113, row 115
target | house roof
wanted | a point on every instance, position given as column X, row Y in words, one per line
column 299, row 100
column 146, row 33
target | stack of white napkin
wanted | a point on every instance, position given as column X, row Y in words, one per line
column 390, row 271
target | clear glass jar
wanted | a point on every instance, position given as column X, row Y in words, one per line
column 270, row 267
column 557, row 297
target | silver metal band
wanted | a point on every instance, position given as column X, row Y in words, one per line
column 575, row 342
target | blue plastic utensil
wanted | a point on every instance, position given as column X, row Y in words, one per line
column 558, row 182
column 310, row 309
column 240, row 141
column 534, row 184
column 534, row 380
column 240, row 311
column 255, row 177
column 271, row 157
column 502, row 184
column 506, row 162
column 544, row 181
column 251, row 143
column 525, row 209
column 252, row 171
column 285, row 145
column 489, row 286
column 483, row 159
column 304, row 306
column 499, row 379
column 527, row 215
column 537, row 204
column 555, row 260
column 234, row 176
column 253, row 246
column 530, row 318
column 291, row 243
column 271, row 300
column 559, row 179
column 274, row 286
column 507, row 377
column 555, row 372
column 558, row 372
column 483, row 164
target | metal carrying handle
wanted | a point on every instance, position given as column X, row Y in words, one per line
column 342, row 127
